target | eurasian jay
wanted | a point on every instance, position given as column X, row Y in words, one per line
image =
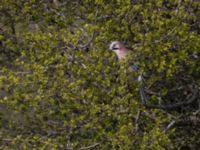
column 121, row 52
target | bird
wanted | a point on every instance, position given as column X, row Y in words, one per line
column 122, row 52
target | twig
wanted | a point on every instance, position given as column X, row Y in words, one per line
column 179, row 4
column 169, row 126
column 136, row 120
column 89, row 147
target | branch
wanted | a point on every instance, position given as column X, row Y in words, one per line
column 169, row 126
column 175, row 106
column 192, row 120
column 89, row 147
column 136, row 121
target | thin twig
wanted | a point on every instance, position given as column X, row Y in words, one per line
column 136, row 121
column 169, row 125
column 89, row 147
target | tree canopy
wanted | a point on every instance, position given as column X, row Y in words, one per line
column 61, row 88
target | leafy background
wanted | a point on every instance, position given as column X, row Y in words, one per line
column 61, row 88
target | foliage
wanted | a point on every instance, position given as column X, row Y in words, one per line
column 60, row 87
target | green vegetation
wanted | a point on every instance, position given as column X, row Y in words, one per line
column 61, row 88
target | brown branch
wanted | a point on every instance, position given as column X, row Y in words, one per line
column 192, row 120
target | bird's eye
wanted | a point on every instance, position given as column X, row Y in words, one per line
column 115, row 48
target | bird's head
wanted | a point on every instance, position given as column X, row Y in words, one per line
column 116, row 45
column 119, row 48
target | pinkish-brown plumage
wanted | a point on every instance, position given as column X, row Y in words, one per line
column 119, row 48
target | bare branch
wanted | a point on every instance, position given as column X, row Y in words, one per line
column 136, row 121
column 177, row 105
column 89, row 147
column 170, row 125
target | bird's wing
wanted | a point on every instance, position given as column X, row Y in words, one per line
column 141, row 81
column 134, row 67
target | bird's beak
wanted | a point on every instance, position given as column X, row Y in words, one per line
column 114, row 49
